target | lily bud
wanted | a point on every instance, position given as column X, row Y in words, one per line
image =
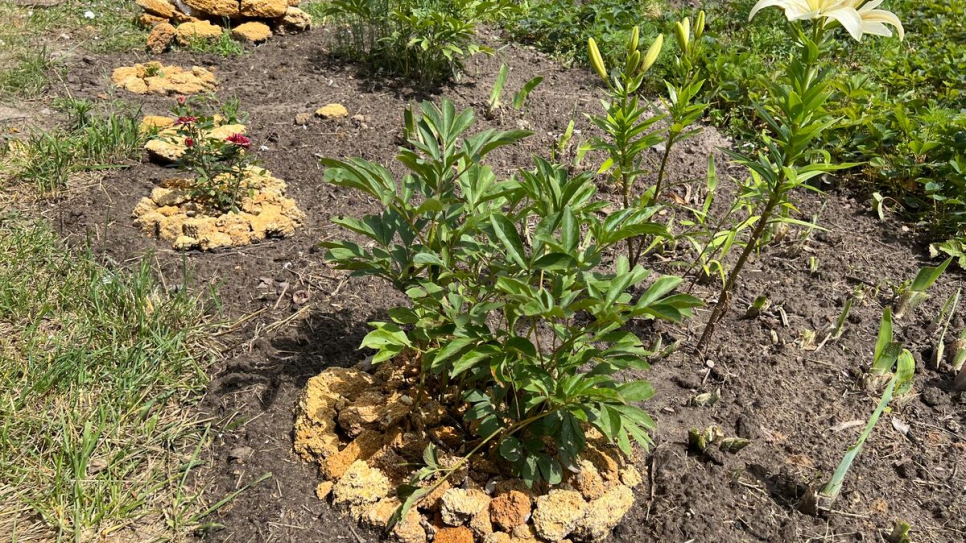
column 633, row 41
column 633, row 62
column 652, row 53
column 682, row 32
column 596, row 60
column 699, row 25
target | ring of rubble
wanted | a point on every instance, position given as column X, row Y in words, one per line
column 184, row 21
column 364, row 431
column 170, row 214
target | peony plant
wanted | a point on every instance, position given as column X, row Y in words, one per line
column 509, row 303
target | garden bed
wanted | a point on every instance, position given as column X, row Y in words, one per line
column 795, row 403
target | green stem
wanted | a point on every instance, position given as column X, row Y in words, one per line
column 721, row 307
column 778, row 192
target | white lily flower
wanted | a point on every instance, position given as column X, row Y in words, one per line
column 874, row 21
column 797, row 10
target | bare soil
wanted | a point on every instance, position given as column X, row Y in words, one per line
column 792, row 403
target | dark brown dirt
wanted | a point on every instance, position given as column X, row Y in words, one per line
column 789, row 401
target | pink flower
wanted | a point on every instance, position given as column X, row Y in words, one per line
column 188, row 142
column 181, row 100
column 185, row 120
column 239, row 140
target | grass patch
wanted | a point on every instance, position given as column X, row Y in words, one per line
column 96, row 368
column 45, row 160
column 29, row 75
column 30, row 37
column 112, row 29
column 224, row 46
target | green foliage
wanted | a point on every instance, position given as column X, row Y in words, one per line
column 29, row 76
column 97, row 366
column 509, row 301
column 47, row 159
column 519, row 98
column 631, row 127
column 220, row 165
column 224, row 45
column 913, row 294
column 425, row 40
column 900, row 103
column 562, row 28
column 897, row 386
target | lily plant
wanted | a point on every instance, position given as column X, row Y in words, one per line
column 795, row 114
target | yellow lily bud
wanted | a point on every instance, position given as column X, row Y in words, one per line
column 652, row 53
column 633, row 62
column 596, row 60
column 699, row 25
column 682, row 32
column 633, row 41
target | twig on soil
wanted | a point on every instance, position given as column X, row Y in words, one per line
column 237, row 324
column 281, row 295
column 283, row 322
column 650, row 485
column 844, row 514
column 353, row 530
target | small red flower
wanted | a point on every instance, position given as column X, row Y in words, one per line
column 188, row 142
column 239, row 140
column 181, row 100
column 185, row 120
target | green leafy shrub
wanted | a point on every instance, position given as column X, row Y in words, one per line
column 426, row 40
column 511, row 301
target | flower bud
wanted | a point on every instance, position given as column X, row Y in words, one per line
column 699, row 25
column 652, row 53
column 633, row 62
column 596, row 60
column 682, row 32
column 633, row 41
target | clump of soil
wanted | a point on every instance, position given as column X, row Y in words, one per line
column 156, row 78
column 368, row 434
column 170, row 214
column 253, row 20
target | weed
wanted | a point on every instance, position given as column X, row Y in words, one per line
column 494, row 102
column 29, row 77
column 912, row 294
column 223, row 46
column 47, row 159
column 898, row 363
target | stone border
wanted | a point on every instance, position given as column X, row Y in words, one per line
column 171, row 215
column 368, row 437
